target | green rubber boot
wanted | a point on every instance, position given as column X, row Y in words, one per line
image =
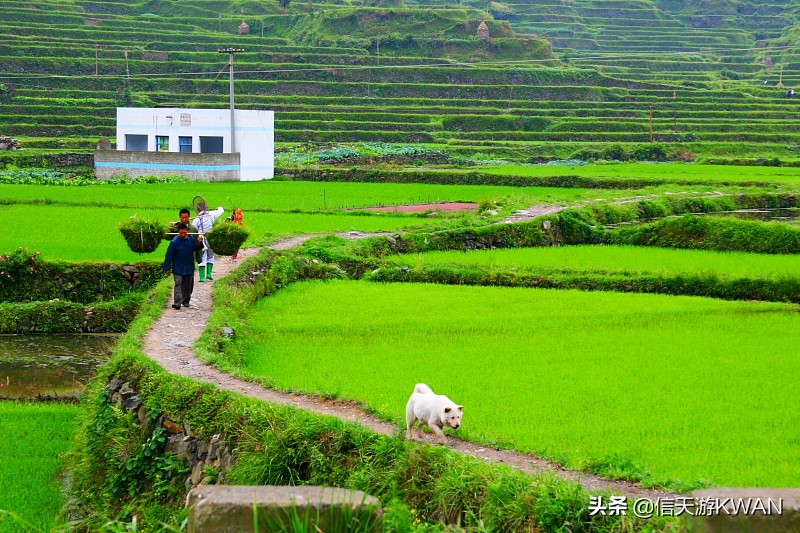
column 210, row 267
column 202, row 273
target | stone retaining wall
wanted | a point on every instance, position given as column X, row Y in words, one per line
column 208, row 458
column 207, row 167
column 219, row 508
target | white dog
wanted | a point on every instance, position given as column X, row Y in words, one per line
column 433, row 410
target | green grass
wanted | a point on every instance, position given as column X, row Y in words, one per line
column 684, row 172
column 81, row 223
column 34, row 436
column 659, row 387
column 78, row 233
column 279, row 195
column 618, row 259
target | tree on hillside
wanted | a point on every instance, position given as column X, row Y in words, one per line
column 284, row 3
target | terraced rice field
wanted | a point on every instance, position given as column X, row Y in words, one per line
column 81, row 223
column 92, row 233
column 617, row 259
column 660, row 387
column 285, row 196
column 634, row 71
column 663, row 172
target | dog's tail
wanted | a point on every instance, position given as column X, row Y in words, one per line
column 421, row 388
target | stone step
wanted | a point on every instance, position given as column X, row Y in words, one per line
column 242, row 508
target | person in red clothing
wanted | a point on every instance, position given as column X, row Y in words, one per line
column 179, row 261
column 237, row 217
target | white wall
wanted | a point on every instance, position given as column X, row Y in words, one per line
column 255, row 141
column 255, row 133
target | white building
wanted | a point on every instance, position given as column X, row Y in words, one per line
column 192, row 142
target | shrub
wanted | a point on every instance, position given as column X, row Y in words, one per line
column 682, row 154
column 615, row 153
column 708, row 233
column 575, row 229
column 586, row 154
column 650, row 209
column 650, row 152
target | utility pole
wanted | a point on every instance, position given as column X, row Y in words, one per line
column 231, row 51
column 651, row 123
column 96, row 59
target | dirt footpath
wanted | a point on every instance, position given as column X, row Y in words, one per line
column 172, row 337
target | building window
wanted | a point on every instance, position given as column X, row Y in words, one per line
column 211, row 145
column 136, row 143
column 162, row 143
column 185, row 145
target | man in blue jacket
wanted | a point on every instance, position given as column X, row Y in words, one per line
column 180, row 262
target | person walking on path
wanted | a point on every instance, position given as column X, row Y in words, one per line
column 179, row 261
column 185, row 217
column 204, row 222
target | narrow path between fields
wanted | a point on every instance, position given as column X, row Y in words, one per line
column 170, row 343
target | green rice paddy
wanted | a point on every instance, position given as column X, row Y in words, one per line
column 34, row 437
column 282, row 195
column 684, row 172
column 618, row 259
column 81, row 223
column 92, row 233
column 679, row 390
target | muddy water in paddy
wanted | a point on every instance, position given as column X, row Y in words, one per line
column 50, row 365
